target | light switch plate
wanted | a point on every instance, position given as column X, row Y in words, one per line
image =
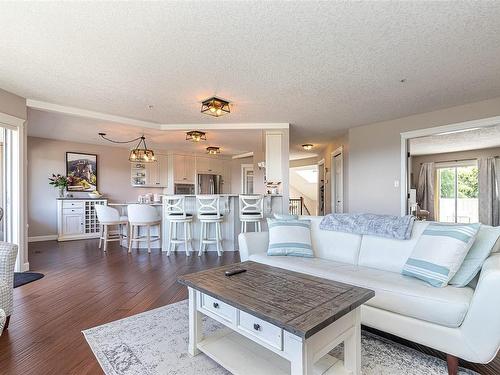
column 396, row 183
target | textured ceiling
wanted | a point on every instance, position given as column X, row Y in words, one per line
column 460, row 141
column 321, row 66
column 78, row 129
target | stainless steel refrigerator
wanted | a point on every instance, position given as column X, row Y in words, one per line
column 209, row 184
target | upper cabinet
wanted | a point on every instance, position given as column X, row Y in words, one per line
column 184, row 169
column 150, row 174
column 209, row 165
column 274, row 157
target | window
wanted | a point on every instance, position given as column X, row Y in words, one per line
column 458, row 192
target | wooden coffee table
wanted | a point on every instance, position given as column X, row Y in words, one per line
column 279, row 321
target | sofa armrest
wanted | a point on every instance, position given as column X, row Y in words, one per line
column 252, row 243
column 8, row 254
column 481, row 327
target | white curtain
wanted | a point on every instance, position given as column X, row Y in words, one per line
column 489, row 204
column 425, row 188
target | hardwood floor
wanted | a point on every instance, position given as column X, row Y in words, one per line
column 83, row 288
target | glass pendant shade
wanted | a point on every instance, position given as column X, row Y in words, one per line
column 215, row 107
column 196, row 136
column 142, row 154
column 212, row 150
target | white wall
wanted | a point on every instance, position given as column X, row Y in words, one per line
column 47, row 156
column 375, row 159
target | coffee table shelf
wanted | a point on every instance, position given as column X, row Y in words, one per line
column 241, row 355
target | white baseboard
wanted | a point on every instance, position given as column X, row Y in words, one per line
column 25, row 267
column 50, row 237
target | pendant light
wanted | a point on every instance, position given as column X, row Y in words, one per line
column 141, row 153
column 215, row 107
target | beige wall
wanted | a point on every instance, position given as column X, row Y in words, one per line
column 47, row 156
column 416, row 161
column 342, row 140
column 12, row 104
column 236, row 173
column 375, row 154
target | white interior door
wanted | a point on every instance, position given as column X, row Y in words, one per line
column 337, row 183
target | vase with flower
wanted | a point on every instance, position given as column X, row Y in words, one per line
column 60, row 182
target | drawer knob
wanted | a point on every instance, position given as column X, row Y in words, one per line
column 256, row 326
column 216, row 305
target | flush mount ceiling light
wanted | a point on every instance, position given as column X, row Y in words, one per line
column 138, row 154
column 196, row 136
column 213, row 150
column 215, row 107
column 307, row 146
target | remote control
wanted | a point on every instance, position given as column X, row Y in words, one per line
column 235, row 271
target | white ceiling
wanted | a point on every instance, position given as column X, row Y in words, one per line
column 460, row 141
column 78, row 129
column 321, row 66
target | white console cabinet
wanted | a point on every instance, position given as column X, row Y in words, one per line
column 77, row 219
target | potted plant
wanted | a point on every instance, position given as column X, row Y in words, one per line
column 60, row 182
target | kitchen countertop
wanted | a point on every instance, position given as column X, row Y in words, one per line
column 79, row 198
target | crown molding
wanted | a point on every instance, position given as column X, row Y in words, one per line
column 56, row 108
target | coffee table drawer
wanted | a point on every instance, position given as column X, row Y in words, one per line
column 218, row 308
column 264, row 331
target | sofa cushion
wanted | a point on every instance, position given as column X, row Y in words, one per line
column 337, row 246
column 440, row 251
column 486, row 240
column 290, row 237
column 393, row 292
column 388, row 254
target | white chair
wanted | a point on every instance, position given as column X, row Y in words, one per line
column 143, row 215
column 209, row 213
column 109, row 217
column 251, row 211
column 174, row 207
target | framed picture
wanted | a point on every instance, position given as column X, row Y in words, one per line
column 82, row 168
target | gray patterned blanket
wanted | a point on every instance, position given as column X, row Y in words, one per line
column 388, row 226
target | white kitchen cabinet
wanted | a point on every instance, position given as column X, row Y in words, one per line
column 274, row 162
column 202, row 164
column 150, row 174
column 77, row 219
column 184, row 169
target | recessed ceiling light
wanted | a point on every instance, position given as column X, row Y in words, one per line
column 215, row 107
column 307, row 146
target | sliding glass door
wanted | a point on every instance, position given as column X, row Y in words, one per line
column 458, row 192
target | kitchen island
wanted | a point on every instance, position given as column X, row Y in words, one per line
column 229, row 207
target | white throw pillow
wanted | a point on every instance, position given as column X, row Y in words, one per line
column 440, row 251
column 290, row 237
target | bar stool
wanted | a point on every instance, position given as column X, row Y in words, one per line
column 174, row 210
column 109, row 216
column 143, row 215
column 209, row 213
column 251, row 211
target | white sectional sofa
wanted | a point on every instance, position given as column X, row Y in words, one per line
column 462, row 322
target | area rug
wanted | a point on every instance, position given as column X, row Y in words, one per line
column 22, row 278
column 155, row 342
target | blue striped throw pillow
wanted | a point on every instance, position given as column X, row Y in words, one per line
column 440, row 251
column 290, row 237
